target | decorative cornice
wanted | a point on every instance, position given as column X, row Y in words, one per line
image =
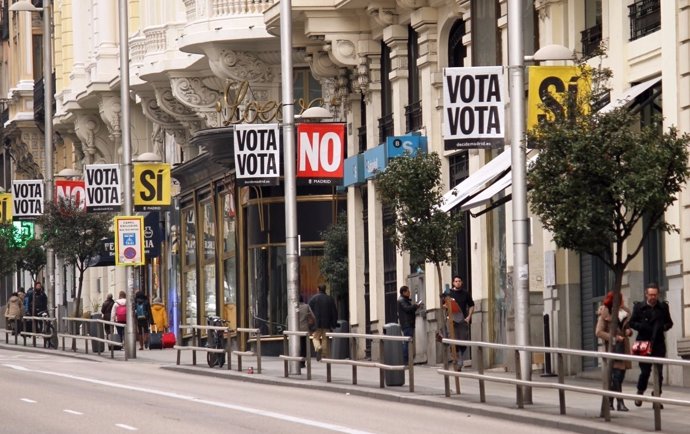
column 110, row 109
column 320, row 63
column 197, row 92
column 239, row 65
column 412, row 4
column 342, row 50
column 543, row 7
column 155, row 114
column 169, row 104
column 383, row 12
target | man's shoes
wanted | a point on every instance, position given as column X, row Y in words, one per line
column 638, row 403
column 318, row 355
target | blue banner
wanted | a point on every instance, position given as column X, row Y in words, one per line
column 374, row 161
column 354, row 170
column 397, row 146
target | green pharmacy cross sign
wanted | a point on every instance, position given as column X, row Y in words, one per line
column 25, row 232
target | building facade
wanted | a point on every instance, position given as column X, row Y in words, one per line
column 199, row 67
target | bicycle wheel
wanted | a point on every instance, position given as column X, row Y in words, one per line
column 211, row 359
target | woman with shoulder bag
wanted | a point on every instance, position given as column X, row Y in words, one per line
column 620, row 344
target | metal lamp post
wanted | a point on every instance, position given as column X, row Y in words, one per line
column 26, row 6
column 516, row 67
column 130, row 331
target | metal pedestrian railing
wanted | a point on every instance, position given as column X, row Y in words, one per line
column 78, row 329
column 520, row 351
column 197, row 336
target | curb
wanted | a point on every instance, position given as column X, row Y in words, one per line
column 566, row 423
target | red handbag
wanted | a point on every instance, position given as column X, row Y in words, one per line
column 642, row 348
column 169, row 340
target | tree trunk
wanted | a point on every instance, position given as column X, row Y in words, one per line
column 77, row 304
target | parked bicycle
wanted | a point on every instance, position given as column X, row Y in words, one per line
column 48, row 328
column 216, row 339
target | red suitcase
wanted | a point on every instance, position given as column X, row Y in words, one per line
column 169, row 340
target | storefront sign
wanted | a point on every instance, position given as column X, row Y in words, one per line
column 5, row 207
column 152, row 185
column 354, row 170
column 25, row 231
column 374, row 161
column 320, row 153
column 397, row 146
column 549, row 87
column 473, row 107
column 103, row 191
column 129, row 240
column 27, row 199
column 257, row 154
column 71, row 191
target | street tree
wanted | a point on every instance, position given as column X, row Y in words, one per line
column 76, row 236
column 9, row 249
column 32, row 258
column 601, row 176
column 411, row 186
column 334, row 263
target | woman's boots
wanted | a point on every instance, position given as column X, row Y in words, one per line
column 621, row 405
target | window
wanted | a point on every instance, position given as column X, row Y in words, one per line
column 306, row 88
column 645, row 18
column 457, row 52
column 413, row 112
column 486, row 50
column 189, row 277
column 591, row 35
column 386, row 120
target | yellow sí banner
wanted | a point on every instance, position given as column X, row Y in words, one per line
column 5, row 207
column 549, row 87
column 151, row 186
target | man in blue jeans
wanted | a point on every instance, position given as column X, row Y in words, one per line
column 406, row 317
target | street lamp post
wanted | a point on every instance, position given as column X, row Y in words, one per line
column 516, row 68
column 291, row 254
column 130, row 332
column 24, row 5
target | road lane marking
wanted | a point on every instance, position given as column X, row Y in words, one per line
column 30, row 401
column 173, row 395
column 16, row 367
column 78, row 413
column 127, row 427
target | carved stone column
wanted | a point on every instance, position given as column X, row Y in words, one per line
column 395, row 37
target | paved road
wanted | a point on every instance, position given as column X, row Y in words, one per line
column 43, row 393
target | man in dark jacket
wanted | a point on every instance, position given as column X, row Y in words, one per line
column 326, row 315
column 406, row 317
column 106, row 309
column 38, row 304
column 651, row 319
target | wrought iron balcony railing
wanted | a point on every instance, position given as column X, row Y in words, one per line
column 385, row 127
column 591, row 39
column 645, row 18
column 413, row 116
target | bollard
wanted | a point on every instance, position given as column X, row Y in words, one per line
column 547, row 344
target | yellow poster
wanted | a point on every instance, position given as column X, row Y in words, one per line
column 151, row 186
column 5, row 207
column 549, row 87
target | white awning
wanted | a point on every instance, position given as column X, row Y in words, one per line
column 476, row 181
column 488, row 193
column 629, row 95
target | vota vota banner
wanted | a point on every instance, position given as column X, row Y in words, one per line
column 103, row 187
column 320, row 153
column 27, row 199
column 257, row 154
column 473, row 107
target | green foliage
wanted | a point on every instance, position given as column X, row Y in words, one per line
column 411, row 186
column 334, row 265
column 9, row 250
column 75, row 236
column 597, row 176
column 32, row 258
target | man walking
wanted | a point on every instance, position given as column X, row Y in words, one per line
column 406, row 317
column 651, row 319
column 326, row 313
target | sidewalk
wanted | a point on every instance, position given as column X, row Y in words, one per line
column 582, row 409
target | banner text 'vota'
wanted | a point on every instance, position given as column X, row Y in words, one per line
column 103, row 191
column 257, row 154
column 473, row 107
column 320, row 153
column 27, row 199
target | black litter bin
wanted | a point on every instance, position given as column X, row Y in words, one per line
column 96, row 329
column 340, row 347
column 393, row 355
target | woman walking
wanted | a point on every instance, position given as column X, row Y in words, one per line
column 620, row 344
